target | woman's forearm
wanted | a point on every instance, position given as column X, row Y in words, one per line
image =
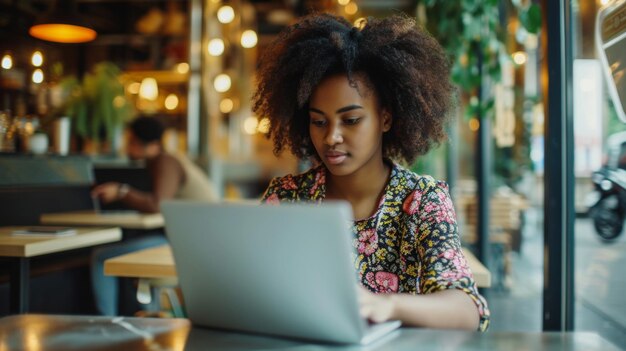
column 141, row 201
column 452, row 309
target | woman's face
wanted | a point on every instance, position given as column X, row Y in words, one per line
column 346, row 127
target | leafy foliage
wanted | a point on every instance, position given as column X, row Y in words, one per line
column 470, row 32
column 472, row 35
column 98, row 105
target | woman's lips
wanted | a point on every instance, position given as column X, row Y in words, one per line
column 335, row 158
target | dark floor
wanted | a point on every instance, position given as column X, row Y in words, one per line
column 600, row 284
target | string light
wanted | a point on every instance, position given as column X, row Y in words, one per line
column 226, row 105
column 216, row 47
column 250, row 124
column 37, row 59
column 248, row 39
column 37, row 76
column 225, row 14
column 7, row 61
column 182, row 68
column 222, row 83
column 171, row 102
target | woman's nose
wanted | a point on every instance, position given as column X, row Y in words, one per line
column 334, row 135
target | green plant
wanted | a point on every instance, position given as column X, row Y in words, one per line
column 470, row 32
column 98, row 106
column 472, row 35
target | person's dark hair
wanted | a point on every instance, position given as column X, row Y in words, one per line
column 147, row 129
column 404, row 65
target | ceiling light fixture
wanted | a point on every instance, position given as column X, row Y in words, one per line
column 62, row 24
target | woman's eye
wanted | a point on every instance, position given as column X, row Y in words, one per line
column 318, row 123
column 350, row 121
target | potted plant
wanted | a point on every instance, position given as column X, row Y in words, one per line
column 97, row 107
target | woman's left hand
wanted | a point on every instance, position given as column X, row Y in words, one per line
column 376, row 307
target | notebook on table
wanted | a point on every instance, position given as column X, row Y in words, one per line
column 280, row 270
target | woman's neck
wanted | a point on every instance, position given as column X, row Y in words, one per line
column 362, row 185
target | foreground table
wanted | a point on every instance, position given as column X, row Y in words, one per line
column 124, row 219
column 21, row 248
column 158, row 262
column 50, row 332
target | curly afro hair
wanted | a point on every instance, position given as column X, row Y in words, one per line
column 403, row 64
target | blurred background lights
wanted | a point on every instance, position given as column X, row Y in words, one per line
column 222, row 83
column 264, row 125
column 474, row 124
column 216, row 47
column 38, row 76
column 226, row 105
column 171, row 102
column 519, row 57
column 37, row 59
column 225, row 14
column 343, row 2
column 351, row 8
column 360, row 22
column 149, row 89
column 250, row 124
column 7, row 62
column 119, row 101
column 182, row 68
column 248, row 39
column 133, row 88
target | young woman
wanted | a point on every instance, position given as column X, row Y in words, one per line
column 358, row 101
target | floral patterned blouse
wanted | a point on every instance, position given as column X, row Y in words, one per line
column 409, row 245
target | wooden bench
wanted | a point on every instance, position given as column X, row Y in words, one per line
column 505, row 223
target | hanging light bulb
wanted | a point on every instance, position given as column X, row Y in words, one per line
column 149, row 89
column 216, row 47
column 222, row 83
column 225, row 14
column 37, row 59
column 37, row 76
column 7, row 61
column 249, row 39
column 63, row 24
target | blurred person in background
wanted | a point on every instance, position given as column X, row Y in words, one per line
column 173, row 176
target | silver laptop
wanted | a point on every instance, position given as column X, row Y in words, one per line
column 280, row 270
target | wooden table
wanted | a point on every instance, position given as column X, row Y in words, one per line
column 158, row 262
column 124, row 219
column 155, row 262
column 52, row 332
column 19, row 249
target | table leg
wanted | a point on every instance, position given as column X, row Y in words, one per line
column 19, row 285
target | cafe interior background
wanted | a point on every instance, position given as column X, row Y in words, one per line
column 191, row 64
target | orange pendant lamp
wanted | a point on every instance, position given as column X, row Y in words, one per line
column 62, row 24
